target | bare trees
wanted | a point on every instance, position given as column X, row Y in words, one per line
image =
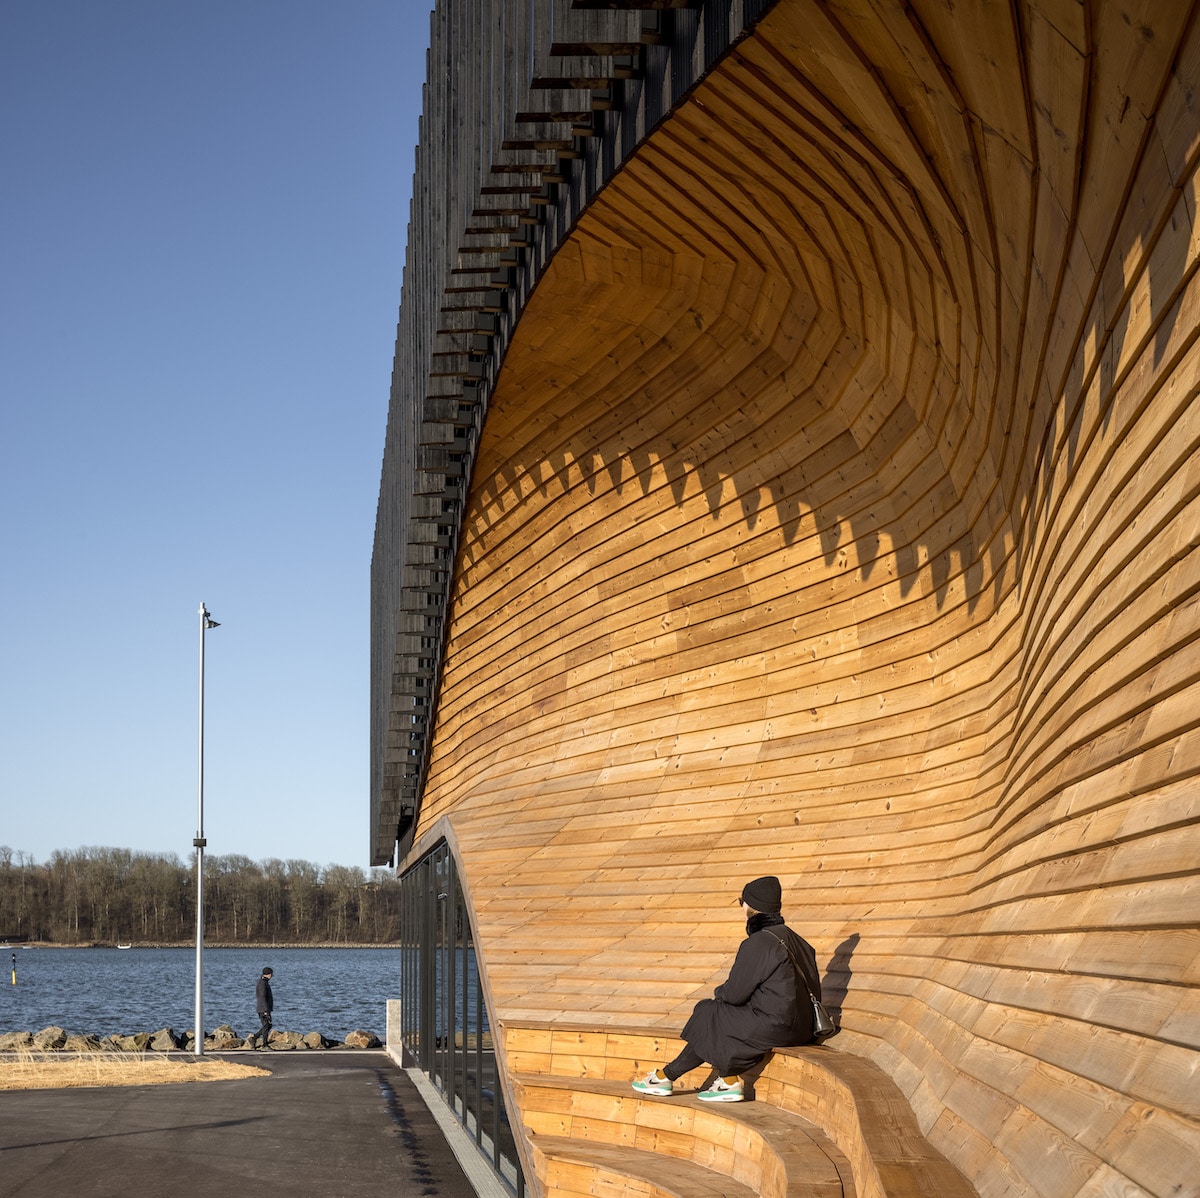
column 112, row 895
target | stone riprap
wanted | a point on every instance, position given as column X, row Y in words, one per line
column 222, row 1039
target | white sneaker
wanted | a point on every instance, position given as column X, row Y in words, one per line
column 654, row 1084
column 723, row 1091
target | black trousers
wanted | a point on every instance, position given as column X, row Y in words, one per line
column 685, row 1062
column 265, row 1031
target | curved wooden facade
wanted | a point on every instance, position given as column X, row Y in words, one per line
column 832, row 513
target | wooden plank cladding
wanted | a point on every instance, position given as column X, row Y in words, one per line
column 831, row 510
column 530, row 106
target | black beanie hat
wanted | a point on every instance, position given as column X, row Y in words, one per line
column 764, row 895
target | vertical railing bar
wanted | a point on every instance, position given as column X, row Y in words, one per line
column 451, row 980
column 478, row 1054
column 464, row 967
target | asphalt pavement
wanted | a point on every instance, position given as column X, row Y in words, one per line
column 337, row 1124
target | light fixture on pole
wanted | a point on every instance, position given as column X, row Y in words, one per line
column 206, row 622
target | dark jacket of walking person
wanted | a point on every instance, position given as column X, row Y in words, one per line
column 763, row 1004
column 264, row 1002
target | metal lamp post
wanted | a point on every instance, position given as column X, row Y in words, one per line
column 206, row 622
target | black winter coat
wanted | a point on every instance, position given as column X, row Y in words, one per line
column 761, row 1005
column 263, row 998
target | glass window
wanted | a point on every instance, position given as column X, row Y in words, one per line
column 444, row 1021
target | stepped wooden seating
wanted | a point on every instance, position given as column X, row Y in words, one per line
column 822, row 1123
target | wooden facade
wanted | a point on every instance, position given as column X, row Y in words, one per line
column 799, row 473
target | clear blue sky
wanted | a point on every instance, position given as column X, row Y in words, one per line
column 203, row 213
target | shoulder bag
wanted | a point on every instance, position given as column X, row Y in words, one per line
column 823, row 1026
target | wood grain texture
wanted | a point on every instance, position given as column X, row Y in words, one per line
column 822, row 1123
column 835, row 516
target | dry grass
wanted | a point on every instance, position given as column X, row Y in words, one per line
column 25, row 1070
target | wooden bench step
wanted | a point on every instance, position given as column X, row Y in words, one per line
column 569, row 1166
column 776, row 1153
column 574, row 1081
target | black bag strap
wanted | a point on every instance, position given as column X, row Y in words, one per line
column 787, row 948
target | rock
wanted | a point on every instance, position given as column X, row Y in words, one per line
column 361, row 1039
column 315, row 1040
column 83, row 1044
column 10, row 1041
column 49, row 1039
column 165, row 1040
column 223, row 1039
column 287, row 1040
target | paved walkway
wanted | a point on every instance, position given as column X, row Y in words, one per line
column 331, row 1124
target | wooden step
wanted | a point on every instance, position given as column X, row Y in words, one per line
column 778, row 1154
column 568, row 1166
column 821, row 1115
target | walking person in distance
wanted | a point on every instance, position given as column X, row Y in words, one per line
column 763, row 1004
column 264, row 1002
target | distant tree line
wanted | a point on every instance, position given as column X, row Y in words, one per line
column 106, row 895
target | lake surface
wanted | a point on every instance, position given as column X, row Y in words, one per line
column 103, row 991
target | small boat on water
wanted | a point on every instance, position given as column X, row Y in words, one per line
column 124, row 946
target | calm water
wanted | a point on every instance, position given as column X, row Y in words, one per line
column 104, row 991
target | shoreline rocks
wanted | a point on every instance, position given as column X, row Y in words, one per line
column 221, row 1039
